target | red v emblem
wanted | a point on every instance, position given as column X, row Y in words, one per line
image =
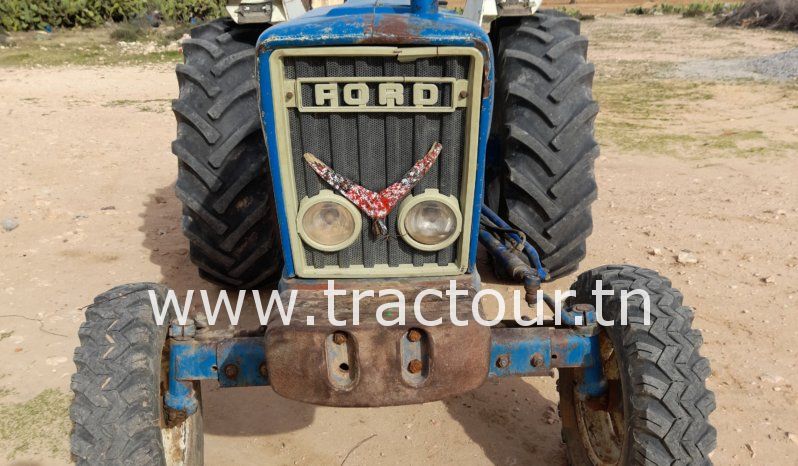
column 376, row 205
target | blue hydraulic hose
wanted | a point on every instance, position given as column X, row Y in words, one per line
column 529, row 250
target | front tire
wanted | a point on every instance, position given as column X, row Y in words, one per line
column 543, row 182
column 118, row 412
column 657, row 407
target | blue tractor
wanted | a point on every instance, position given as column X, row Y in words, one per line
column 377, row 144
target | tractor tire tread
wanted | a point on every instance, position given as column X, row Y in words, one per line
column 229, row 214
column 545, row 117
column 117, row 405
column 671, row 403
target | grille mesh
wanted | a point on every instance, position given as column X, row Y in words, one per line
column 376, row 149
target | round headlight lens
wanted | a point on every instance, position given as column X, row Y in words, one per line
column 328, row 223
column 430, row 222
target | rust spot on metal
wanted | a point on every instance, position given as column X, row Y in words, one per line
column 231, row 371
column 393, row 30
column 484, row 49
column 339, row 338
column 298, row 365
column 503, row 361
column 414, row 335
column 537, row 360
column 263, row 369
column 415, row 366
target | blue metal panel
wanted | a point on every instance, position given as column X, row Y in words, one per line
column 193, row 360
column 248, row 356
column 235, row 362
column 368, row 22
column 180, row 395
column 593, row 383
column 535, row 350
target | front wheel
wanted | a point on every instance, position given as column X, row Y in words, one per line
column 657, row 404
column 118, row 413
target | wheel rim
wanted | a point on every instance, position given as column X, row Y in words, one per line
column 601, row 424
column 180, row 434
column 178, row 442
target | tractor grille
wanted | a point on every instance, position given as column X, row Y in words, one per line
column 374, row 148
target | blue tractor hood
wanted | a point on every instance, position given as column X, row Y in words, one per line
column 374, row 22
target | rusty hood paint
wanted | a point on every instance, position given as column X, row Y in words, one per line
column 374, row 22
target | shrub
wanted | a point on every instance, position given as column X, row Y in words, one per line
column 694, row 10
column 185, row 10
column 688, row 11
column 128, row 32
column 575, row 13
column 20, row 15
column 637, row 10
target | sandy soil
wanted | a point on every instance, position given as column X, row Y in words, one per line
column 701, row 165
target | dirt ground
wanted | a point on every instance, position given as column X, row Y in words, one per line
column 697, row 164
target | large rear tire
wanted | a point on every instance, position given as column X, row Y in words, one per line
column 543, row 183
column 118, row 413
column 223, row 179
column 657, row 408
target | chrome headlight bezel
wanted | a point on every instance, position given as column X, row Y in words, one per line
column 429, row 195
column 326, row 195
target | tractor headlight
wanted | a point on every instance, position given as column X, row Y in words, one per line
column 328, row 222
column 430, row 221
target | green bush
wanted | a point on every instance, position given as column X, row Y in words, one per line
column 21, row 15
column 638, row 10
column 184, row 10
column 575, row 13
column 128, row 32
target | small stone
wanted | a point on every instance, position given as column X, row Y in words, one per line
column 769, row 279
column 771, row 378
column 655, row 252
column 56, row 360
column 10, row 224
column 791, row 437
column 108, row 207
column 686, row 257
column 160, row 199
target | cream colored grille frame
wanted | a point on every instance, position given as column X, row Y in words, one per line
column 283, row 98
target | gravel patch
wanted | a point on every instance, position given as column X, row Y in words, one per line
column 780, row 66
